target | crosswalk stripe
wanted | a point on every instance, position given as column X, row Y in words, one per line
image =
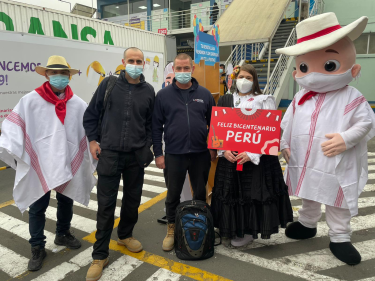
column 154, row 178
column 58, row 272
column 357, row 223
column 362, row 203
column 82, row 223
column 164, row 275
column 120, row 194
column 155, row 170
column 271, row 264
column 153, row 188
column 12, row 263
column 323, row 259
column 21, row 229
column 120, row 268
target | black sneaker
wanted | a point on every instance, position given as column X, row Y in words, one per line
column 68, row 240
column 36, row 261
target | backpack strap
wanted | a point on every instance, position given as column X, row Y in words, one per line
column 110, row 85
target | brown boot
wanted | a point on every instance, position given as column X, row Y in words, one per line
column 96, row 269
column 132, row 244
column 168, row 242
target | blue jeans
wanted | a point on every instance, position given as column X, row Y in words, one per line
column 37, row 218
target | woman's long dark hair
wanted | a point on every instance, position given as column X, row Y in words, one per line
column 250, row 69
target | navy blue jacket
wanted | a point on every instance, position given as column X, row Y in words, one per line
column 184, row 123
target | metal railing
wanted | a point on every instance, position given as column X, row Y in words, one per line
column 282, row 63
column 172, row 20
column 245, row 52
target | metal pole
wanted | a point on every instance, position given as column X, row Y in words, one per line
column 70, row 4
column 299, row 10
column 128, row 13
column 269, row 64
column 92, row 8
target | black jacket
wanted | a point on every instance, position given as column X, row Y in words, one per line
column 185, row 123
column 126, row 124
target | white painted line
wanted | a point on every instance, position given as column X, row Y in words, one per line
column 93, row 205
column 357, row 223
column 84, row 224
column 154, row 188
column 164, row 275
column 12, row 263
column 215, row 113
column 120, row 194
column 83, row 258
column 154, row 178
column 57, row 273
column 268, row 114
column 277, row 118
column 272, row 265
column 323, row 259
column 224, row 111
column 155, row 170
column 119, row 269
column 21, row 229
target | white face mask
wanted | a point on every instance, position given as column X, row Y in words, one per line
column 244, row 86
column 323, row 83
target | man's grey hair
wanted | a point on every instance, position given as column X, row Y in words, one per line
column 134, row 49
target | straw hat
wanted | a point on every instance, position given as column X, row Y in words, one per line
column 55, row 63
column 321, row 31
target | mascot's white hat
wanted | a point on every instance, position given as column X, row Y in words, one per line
column 321, row 31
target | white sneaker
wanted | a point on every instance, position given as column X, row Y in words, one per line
column 239, row 242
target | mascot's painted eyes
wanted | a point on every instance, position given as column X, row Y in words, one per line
column 331, row 65
column 303, row 67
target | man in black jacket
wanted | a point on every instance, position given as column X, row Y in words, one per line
column 125, row 141
column 183, row 112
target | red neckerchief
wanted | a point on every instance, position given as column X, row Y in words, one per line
column 307, row 96
column 45, row 91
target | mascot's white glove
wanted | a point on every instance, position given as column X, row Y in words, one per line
column 334, row 146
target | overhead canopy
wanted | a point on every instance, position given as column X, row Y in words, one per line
column 250, row 21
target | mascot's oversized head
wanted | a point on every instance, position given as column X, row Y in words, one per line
column 325, row 53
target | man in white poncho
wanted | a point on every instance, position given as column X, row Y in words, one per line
column 44, row 141
column 326, row 130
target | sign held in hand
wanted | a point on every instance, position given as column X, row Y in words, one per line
column 250, row 130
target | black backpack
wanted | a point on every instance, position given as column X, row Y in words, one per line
column 194, row 234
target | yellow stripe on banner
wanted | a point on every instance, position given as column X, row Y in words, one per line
column 10, row 202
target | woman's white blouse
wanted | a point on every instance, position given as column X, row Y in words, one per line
column 252, row 101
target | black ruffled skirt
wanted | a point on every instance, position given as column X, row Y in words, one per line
column 254, row 201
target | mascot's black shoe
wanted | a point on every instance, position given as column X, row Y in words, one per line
column 296, row 230
column 345, row 252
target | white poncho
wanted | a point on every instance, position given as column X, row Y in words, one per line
column 49, row 155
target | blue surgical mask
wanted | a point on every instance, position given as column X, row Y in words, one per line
column 221, row 70
column 59, row 81
column 133, row 70
column 183, row 77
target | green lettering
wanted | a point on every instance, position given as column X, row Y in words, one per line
column 7, row 20
column 58, row 31
column 35, row 26
column 108, row 38
column 74, row 31
column 87, row 30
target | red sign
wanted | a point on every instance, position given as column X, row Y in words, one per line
column 162, row 31
column 250, row 130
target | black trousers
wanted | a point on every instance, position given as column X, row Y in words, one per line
column 110, row 167
column 176, row 165
column 37, row 217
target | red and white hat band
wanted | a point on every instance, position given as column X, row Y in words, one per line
column 320, row 33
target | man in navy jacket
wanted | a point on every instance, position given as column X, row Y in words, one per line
column 183, row 112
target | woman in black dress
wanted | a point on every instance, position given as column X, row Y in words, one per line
column 254, row 201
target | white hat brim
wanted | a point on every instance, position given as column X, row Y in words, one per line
column 42, row 70
column 353, row 31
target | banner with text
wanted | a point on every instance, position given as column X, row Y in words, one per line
column 251, row 130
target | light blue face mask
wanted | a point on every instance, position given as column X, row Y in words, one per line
column 134, row 71
column 221, row 70
column 183, row 77
column 59, row 81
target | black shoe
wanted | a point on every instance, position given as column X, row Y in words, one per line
column 68, row 240
column 36, row 261
column 345, row 252
column 296, row 230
